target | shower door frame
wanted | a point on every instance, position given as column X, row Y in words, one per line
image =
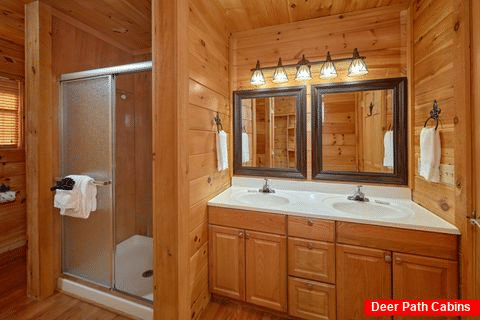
column 112, row 73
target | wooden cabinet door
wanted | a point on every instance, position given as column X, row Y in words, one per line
column 362, row 273
column 311, row 259
column 310, row 299
column 418, row 277
column 227, row 262
column 266, row 270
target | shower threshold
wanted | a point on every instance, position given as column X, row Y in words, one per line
column 107, row 298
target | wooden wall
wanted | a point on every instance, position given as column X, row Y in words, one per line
column 208, row 62
column 12, row 161
column 13, row 214
column 433, row 79
column 379, row 34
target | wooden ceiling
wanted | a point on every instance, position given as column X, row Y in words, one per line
column 128, row 22
column 245, row 15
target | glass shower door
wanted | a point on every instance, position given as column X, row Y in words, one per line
column 87, row 141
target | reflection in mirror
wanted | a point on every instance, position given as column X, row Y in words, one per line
column 270, row 134
column 359, row 131
column 268, row 138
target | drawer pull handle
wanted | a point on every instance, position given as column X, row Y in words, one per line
column 309, row 245
column 309, row 285
column 240, row 234
column 310, row 222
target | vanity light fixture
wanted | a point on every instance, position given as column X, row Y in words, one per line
column 357, row 66
column 280, row 75
column 328, row 70
column 303, row 70
column 257, row 75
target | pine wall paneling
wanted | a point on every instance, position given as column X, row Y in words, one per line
column 208, row 94
column 379, row 34
column 13, row 214
column 170, row 159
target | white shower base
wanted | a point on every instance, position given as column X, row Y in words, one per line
column 109, row 301
column 132, row 258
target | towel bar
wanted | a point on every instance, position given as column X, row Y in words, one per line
column 97, row 183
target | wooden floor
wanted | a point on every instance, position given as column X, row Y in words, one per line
column 14, row 303
column 220, row 309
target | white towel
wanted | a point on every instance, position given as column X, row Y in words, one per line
column 388, row 149
column 222, row 151
column 79, row 201
column 245, row 148
column 430, row 153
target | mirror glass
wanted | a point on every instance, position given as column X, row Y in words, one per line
column 270, row 132
column 359, row 131
column 268, row 138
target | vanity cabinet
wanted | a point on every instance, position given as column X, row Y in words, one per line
column 248, row 257
column 325, row 268
column 369, row 266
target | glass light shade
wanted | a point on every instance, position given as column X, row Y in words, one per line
column 328, row 69
column 257, row 75
column 303, row 70
column 358, row 66
column 280, row 75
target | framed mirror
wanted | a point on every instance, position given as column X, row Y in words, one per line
column 270, row 132
column 359, row 131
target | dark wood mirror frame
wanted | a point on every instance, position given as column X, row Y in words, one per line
column 400, row 172
column 300, row 171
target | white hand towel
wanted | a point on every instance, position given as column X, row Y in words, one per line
column 430, row 153
column 79, row 201
column 388, row 149
column 245, row 148
column 222, row 151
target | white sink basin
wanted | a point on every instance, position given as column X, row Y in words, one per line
column 371, row 209
column 264, row 199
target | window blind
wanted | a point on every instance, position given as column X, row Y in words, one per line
column 10, row 102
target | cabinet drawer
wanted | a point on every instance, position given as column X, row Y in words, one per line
column 245, row 219
column 311, row 259
column 311, row 300
column 311, row 228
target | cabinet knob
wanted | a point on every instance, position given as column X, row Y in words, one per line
column 398, row 260
column 309, row 285
column 388, row 257
column 310, row 245
column 247, row 236
column 240, row 234
column 310, row 222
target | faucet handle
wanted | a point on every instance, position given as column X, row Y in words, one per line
column 359, row 188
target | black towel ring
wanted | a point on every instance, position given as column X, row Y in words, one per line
column 434, row 115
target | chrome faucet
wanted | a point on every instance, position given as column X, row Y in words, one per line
column 358, row 195
column 266, row 188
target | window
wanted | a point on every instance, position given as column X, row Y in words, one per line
column 10, row 113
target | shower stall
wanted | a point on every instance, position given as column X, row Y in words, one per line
column 106, row 133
